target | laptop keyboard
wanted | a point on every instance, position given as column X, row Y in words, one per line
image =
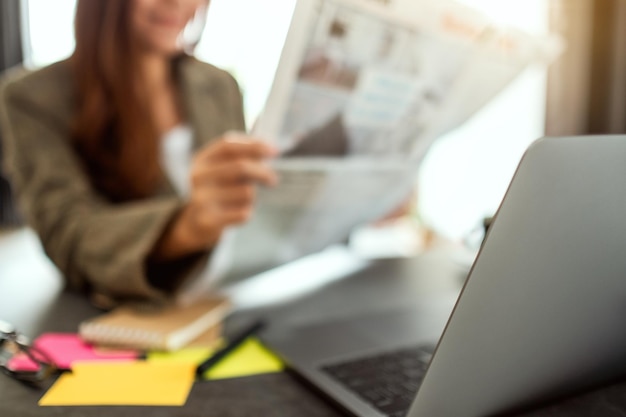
column 387, row 381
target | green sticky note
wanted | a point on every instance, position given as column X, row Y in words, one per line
column 250, row 358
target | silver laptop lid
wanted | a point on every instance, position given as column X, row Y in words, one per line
column 542, row 314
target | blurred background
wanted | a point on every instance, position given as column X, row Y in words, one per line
column 465, row 174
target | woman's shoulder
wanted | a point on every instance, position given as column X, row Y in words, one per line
column 202, row 72
column 51, row 86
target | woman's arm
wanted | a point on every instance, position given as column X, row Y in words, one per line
column 114, row 249
column 99, row 246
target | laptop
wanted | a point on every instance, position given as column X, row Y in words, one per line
column 540, row 317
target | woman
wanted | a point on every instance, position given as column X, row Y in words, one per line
column 85, row 142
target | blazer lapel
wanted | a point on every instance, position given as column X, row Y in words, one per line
column 199, row 88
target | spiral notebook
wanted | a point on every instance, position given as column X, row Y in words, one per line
column 168, row 328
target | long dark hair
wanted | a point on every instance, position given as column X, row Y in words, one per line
column 114, row 131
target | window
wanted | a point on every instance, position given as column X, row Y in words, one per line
column 466, row 173
column 49, row 31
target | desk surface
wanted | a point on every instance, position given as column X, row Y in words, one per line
column 32, row 298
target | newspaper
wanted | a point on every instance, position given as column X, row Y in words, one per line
column 317, row 204
column 360, row 94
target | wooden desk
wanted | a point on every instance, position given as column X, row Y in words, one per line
column 32, row 298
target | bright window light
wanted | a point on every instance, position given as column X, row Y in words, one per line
column 467, row 172
column 50, row 31
column 246, row 38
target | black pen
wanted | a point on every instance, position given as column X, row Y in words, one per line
column 232, row 345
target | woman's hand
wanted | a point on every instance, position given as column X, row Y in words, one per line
column 224, row 175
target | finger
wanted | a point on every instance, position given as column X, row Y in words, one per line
column 236, row 216
column 233, row 172
column 238, row 195
column 236, row 136
column 225, row 216
column 237, row 148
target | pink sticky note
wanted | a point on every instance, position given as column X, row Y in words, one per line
column 66, row 348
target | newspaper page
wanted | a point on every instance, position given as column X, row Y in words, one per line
column 364, row 78
column 360, row 94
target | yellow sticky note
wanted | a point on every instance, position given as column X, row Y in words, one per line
column 250, row 358
column 134, row 383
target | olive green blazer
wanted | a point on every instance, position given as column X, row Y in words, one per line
column 100, row 247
